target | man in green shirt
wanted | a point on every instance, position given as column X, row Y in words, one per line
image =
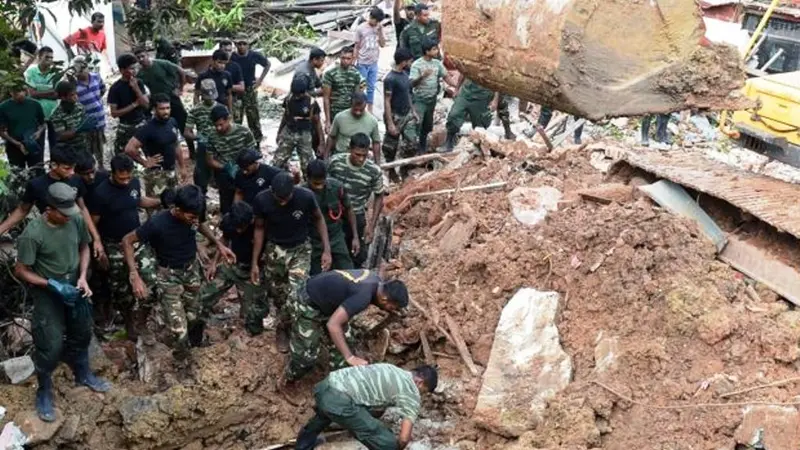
column 226, row 142
column 21, row 125
column 53, row 258
column 69, row 119
column 334, row 203
column 362, row 179
column 40, row 78
column 350, row 122
column 199, row 128
column 338, row 85
column 475, row 102
column 421, row 29
column 163, row 77
column 347, row 395
column 426, row 73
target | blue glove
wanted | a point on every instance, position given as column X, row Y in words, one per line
column 231, row 169
column 89, row 124
column 67, row 292
column 31, row 146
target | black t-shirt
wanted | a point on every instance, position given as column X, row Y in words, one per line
column 173, row 241
column 235, row 70
column 399, row 26
column 248, row 64
column 299, row 111
column 118, row 208
column 288, row 225
column 399, row 84
column 255, row 183
column 160, row 137
column 241, row 244
column 89, row 189
column 353, row 290
column 222, row 79
column 36, row 189
column 122, row 95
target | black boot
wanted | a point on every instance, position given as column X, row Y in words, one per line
column 196, row 333
column 449, row 143
column 509, row 134
column 85, row 377
column 45, row 407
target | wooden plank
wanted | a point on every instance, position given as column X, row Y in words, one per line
column 463, row 350
column 481, row 187
column 426, row 348
column 758, row 265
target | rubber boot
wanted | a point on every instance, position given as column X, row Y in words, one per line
column 45, row 407
column 449, row 143
column 197, row 333
column 509, row 134
column 646, row 131
column 282, row 337
column 85, row 377
column 662, row 135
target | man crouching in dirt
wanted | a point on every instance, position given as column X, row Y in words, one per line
column 328, row 302
column 172, row 234
column 53, row 258
column 347, row 396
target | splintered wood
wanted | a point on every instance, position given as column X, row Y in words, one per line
column 455, row 229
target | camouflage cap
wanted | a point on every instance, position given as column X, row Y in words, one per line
column 208, row 89
column 61, row 196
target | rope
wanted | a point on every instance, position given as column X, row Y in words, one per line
column 762, row 386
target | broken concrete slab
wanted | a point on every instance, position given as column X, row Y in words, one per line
column 36, row 429
column 527, row 366
column 760, row 266
column 17, row 370
column 608, row 193
column 769, row 427
column 12, row 438
column 531, row 205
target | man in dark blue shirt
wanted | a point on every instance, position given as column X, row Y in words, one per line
column 248, row 60
column 127, row 101
column 253, row 176
column 115, row 209
column 86, row 169
column 222, row 78
column 285, row 214
column 172, row 237
column 237, row 76
column 159, row 140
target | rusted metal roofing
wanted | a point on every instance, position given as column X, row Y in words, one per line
column 772, row 201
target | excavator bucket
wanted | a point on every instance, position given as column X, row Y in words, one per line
column 594, row 58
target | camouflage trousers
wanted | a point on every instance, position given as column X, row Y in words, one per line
column 291, row 141
column 307, row 336
column 124, row 134
column 502, row 110
column 255, row 305
column 285, row 271
column 249, row 109
column 119, row 277
column 157, row 181
column 179, row 305
column 237, row 109
column 96, row 141
column 407, row 141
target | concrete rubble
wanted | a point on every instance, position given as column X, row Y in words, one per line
column 17, row 370
column 531, row 205
column 769, row 427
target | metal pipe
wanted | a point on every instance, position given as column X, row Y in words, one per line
column 772, row 59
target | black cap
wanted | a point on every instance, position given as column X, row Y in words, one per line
column 248, row 156
column 282, row 185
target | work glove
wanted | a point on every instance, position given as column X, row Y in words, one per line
column 88, row 124
column 31, row 146
column 231, row 168
column 65, row 291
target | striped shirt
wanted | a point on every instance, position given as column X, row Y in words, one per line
column 359, row 182
column 199, row 118
column 227, row 146
column 70, row 121
column 343, row 82
column 379, row 386
column 90, row 94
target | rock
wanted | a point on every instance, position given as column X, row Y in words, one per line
column 482, row 349
column 12, row 438
column 608, row 193
column 715, row 326
column 606, row 353
column 2, row 413
column 196, row 445
column 18, row 336
column 37, row 430
column 17, row 370
column 152, row 358
column 527, row 366
column 531, row 205
column 69, row 431
column 773, row 427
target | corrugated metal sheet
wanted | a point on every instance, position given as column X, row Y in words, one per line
column 773, row 201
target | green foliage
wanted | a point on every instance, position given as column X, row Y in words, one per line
column 144, row 25
column 210, row 17
column 284, row 42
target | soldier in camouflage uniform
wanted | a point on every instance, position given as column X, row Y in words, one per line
column 300, row 118
column 172, row 236
column 399, row 115
column 225, row 143
column 421, row 29
column 199, row 128
column 127, row 101
column 327, row 303
column 474, row 101
column 237, row 231
column 115, row 209
column 335, row 205
column 286, row 215
column 338, row 85
column 362, row 179
column 247, row 60
column 69, row 119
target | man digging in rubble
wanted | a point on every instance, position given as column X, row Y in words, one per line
column 253, row 176
column 300, row 119
column 53, row 258
column 339, row 84
column 362, row 179
column 335, row 205
column 285, row 215
column 225, row 143
column 172, row 235
column 322, row 311
column 346, row 396
column 399, row 115
column 199, row 127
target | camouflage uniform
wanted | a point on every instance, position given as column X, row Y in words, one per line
column 225, row 148
column 255, row 305
column 415, row 33
column 297, row 131
column 67, row 121
column 308, row 335
column 285, row 272
column 96, row 140
column 238, row 105
column 179, row 303
column 118, row 275
column 406, row 141
column 473, row 101
column 125, row 132
column 343, row 82
column 291, row 141
column 157, row 181
column 333, row 204
column 250, row 110
column 199, row 119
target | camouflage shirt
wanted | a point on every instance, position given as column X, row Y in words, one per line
column 379, row 386
column 199, row 118
column 415, row 33
column 343, row 82
column 70, row 121
column 227, row 146
column 333, row 203
column 359, row 182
